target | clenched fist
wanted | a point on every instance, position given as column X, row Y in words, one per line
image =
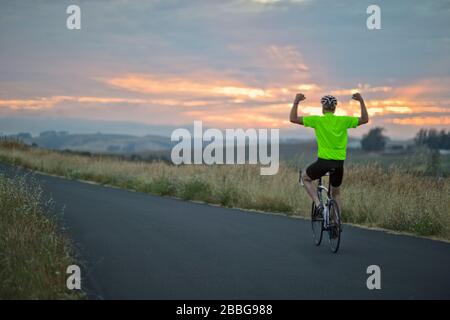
column 357, row 96
column 299, row 97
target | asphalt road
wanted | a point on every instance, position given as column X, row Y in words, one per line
column 137, row 246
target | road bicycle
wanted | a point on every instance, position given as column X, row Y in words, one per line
column 329, row 220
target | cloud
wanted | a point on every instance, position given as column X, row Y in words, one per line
column 214, row 89
column 184, row 86
column 220, row 101
column 421, row 121
column 237, row 62
column 50, row 102
column 288, row 58
column 38, row 103
column 362, row 88
column 237, row 118
column 42, row 103
column 309, row 87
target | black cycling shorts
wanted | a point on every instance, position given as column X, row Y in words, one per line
column 322, row 166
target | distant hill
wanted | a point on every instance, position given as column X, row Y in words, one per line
column 97, row 143
column 145, row 146
column 35, row 125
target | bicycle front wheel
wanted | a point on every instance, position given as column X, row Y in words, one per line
column 335, row 227
column 317, row 226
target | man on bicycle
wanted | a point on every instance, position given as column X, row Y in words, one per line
column 331, row 135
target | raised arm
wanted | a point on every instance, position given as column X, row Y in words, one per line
column 294, row 118
column 364, row 115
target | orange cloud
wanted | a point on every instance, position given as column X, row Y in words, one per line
column 222, row 100
column 226, row 102
column 187, row 87
column 42, row 103
column 398, row 109
column 422, row 121
column 362, row 88
column 425, row 89
column 203, row 89
column 309, row 87
column 50, row 102
column 238, row 118
column 400, row 106
column 17, row 104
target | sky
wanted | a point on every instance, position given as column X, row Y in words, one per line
column 230, row 64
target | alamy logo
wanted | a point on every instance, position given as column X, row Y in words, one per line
column 73, row 21
column 218, row 143
column 73, row 282
column 374, row 280
column 374, row 20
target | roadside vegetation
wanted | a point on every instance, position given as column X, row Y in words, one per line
column 410, row 201
column 33, row 254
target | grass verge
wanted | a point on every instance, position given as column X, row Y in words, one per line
column 34, row 256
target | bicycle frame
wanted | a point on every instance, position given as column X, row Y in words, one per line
column 322, row 187
column 331, row 221
column 325, row 203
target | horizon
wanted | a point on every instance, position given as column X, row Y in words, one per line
column 230, row 64
column 135, row 129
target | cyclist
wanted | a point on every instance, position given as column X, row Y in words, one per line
column 331, row 135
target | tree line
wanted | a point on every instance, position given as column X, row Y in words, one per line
column 434, row 139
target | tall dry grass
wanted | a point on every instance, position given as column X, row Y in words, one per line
column 33, row 254
column 371, row 196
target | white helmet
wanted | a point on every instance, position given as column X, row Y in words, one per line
column 329, row 102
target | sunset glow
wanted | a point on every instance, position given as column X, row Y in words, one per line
column 421, row 121
column 242, row 105
column 242, row 68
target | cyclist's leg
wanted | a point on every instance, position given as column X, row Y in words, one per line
column 335, row 181
column 313, row 172
column 310, row 188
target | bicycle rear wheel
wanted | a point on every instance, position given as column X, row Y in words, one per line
column 335, row 227
column 317, row 226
